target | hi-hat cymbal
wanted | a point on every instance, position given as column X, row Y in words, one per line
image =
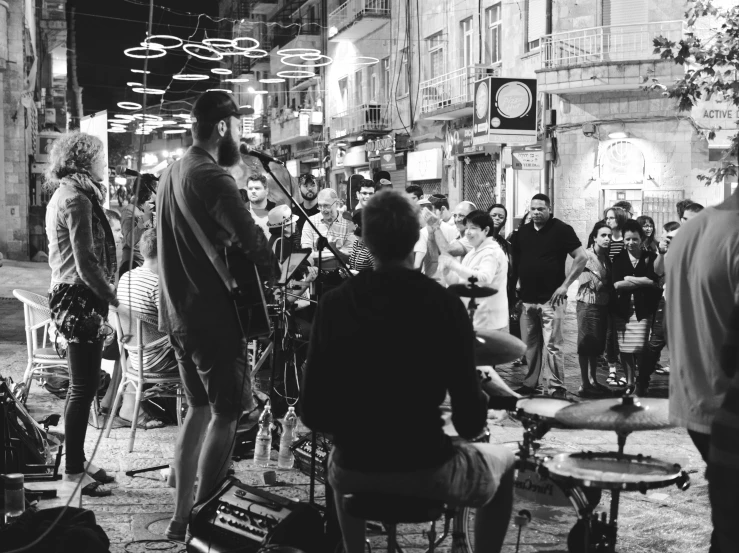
column 622, row 415
column 470, row 291
column 493, row 347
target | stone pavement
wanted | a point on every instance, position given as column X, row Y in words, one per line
column 663, row 520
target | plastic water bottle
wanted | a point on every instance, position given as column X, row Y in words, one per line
column 263, row 445
column 14, row 499
column 285, row 458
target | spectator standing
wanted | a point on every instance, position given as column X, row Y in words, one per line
column 702, row 289
column 499, row 214
column 382, row 180
column 426, row 250
column 309, row 193
column 593, row 295
column 657, row 334
column 415, row 192
column 82, row 257
column 259, row 204
column 638, row 292
column 627, row 207
column 514, row 304
column 361, row 258
column 650, row 232
column 540, row 251
column 135, row 219
column 367, row 189
column 615, row 217
column 690, row 211
column 680, row 208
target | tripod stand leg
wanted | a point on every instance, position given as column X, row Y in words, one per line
column 148, row 469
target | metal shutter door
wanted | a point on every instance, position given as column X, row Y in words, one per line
column 479, row 181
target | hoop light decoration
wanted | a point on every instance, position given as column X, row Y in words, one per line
column 217, row 56
column 255, row 53
column 298, row 74
column 174, row 131
column 297, row 51
column 148, row 117
column 356, row 61
column 311, row 58
column 219, row 42
column 239, row 80
column 220, row 90
column 154, row 41
column 254, row 40
column 131, row 83
column 124, row 117
column 183, row 115
column 154, row 91
column 117, row 131
column 190, row 77
column 160, row 52
column 272, row 81
column 221, row 71
column 129, row 105
column 140, row 71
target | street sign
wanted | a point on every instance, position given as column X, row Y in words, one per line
column 481, row 112
column 530, row 160
column 512, row 113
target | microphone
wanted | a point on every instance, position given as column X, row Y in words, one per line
column 261, row 156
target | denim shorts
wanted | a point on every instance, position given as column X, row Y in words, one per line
column 469, row 479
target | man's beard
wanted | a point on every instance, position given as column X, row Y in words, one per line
column 309, row 196
column 228, row 151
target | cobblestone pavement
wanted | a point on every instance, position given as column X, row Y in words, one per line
column 664, row 520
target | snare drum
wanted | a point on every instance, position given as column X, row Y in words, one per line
column 615, row 471
column 540, row 408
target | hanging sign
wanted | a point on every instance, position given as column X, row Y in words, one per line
column 481, row 112
column 512, row 117
column 530, row 160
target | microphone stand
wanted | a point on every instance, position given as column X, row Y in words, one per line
column 321, row 243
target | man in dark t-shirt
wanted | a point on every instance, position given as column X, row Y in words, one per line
column 382, row 408
column 309, row 193
column 540, row 250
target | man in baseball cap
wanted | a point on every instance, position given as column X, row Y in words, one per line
column 211, row 108
column 382, row 179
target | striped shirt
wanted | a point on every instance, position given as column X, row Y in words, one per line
column 139, row 290
column 615, row 248
column 338, row 231
column 725, row 428
column 361, row 258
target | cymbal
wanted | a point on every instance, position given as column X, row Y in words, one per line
column 469, row 291
column 622, row 415
column 493, row 347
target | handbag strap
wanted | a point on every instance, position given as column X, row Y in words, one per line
column 218, row 264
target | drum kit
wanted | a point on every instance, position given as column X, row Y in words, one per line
column 579, row 478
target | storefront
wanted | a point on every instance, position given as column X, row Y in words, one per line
column 425, row 169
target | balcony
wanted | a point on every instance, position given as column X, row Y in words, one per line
column 617, row 57
column 450, row 96
column 288, row 129
column 282, row 37
column 355, row 19
column 261, row 125
column 365, row 118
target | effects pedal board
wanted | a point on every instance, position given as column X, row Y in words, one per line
column 238, row 517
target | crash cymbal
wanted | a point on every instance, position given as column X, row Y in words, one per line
column 493, row 347
column 622, row 415
column 471, row 291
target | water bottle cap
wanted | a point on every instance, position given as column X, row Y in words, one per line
column 13, row 481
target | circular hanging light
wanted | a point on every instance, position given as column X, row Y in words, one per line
column 260, row 92
column 221, row 71
column 190, row 47
column 174, row 131
column 219, row 42
column 154, row 41
column 272, row 81
column 356, row 61
column 168, row 122
column 190, row 77
column 148, row 117
column 298, row 74
column 129, row 105
column 313, row 58
column 117, row 131
column 255, row 53
column 140, row 71
column 254, row 40
column 125, row 116
column 297, row 51
column 183, row 115
column 160, row 52
column 155, row 91
column 131, row 83
column 220, row 90
column 239, row 80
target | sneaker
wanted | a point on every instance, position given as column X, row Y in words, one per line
column 528, row 391
column 177, row 531
column 558, row 393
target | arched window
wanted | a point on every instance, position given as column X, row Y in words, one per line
column 621, row 162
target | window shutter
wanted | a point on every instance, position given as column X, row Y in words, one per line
column 624, row 12
column 537, row 19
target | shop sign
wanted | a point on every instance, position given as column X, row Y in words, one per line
column 481, row 112
column 424, row 165
column 380, row 144
column 387, row 162
column 512, row 112
column 719, row 115
column 38, row 168
column 339, row 156
column 527, row 160
column 45, row 142
column 461, row 141
column 355, row 157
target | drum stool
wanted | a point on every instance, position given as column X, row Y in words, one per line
column 391, row 510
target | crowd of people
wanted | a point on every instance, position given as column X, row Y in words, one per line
column 636, row 286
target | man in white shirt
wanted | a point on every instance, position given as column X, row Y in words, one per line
column 426, row 251
column 460, row 245
column 259, row 205
column 330, row 225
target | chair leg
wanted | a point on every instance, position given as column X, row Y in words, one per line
column 134, row 421
column 392, row 541
column 180, row 393
column 116, row 403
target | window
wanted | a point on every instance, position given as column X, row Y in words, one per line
column 493, row 20
column 343, row 95
column 437, row 61
column 402, row 89
column 536, row 23
column 386, row 79
column 466, row 27
column 358, row 88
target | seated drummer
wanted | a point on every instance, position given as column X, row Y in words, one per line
column 383, row 406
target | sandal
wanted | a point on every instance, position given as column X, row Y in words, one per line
column 615, row 380
column 102, row 477
column 146, row 421
column 96, row 489
column 662, row 370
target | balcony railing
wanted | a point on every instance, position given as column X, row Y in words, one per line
column 368, row 117
column 351, row 10
column 291, row 129
column 452, row 89
column 604, row 44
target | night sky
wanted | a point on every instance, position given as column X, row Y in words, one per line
column 103, row 69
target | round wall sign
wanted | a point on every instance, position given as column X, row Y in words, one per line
column 513, row 100
column 482, row 99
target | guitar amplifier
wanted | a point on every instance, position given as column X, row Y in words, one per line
column 302, row 450
column 242, row 519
